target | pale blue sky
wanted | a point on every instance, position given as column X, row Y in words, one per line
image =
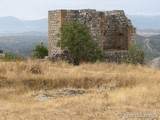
column 36, row 9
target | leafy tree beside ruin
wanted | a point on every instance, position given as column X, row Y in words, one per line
column 80, row 44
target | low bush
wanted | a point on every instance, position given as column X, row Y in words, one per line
column 136, row 56
column 13, row 57
column 40, row 51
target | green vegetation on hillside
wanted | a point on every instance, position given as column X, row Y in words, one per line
column 21, row 44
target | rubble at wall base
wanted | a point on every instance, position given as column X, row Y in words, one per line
column 110, row 56
column 116, row 56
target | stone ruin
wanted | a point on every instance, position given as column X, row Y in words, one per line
column 112, row 30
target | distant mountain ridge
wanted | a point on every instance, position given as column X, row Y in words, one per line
column 15, row 25
column 29, row 33
column 145, row 22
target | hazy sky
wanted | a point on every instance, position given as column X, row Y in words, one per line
column 36, row 9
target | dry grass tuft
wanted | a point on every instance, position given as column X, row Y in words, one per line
column 34, row 68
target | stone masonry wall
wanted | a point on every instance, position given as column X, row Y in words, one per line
column 90, row 18
column 53, row 31
column 119, row 32
column 112, row 30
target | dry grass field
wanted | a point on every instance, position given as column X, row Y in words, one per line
column 112, row 92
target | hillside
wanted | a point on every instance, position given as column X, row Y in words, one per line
column 34, row 90
column 22, row 43
column 151, row 46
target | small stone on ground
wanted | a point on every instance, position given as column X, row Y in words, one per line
column 43, row 97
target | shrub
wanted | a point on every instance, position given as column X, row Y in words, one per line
column 40, row 51
column 80, row 44
column 13, row 56
column 136, row 56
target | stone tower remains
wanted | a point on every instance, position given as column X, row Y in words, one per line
column 112, row 30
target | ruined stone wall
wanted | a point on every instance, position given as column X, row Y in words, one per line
column 54, row 22
column 116, row 56
column 119, row 32
column 111, row 29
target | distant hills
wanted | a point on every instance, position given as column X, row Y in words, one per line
column 21, row 36
column 15, row 25
column 146, row 22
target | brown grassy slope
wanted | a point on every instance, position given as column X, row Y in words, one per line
column 116, row 89
column 37, row 75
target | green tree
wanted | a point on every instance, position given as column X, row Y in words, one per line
column 79, row 42
column 40, row 51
